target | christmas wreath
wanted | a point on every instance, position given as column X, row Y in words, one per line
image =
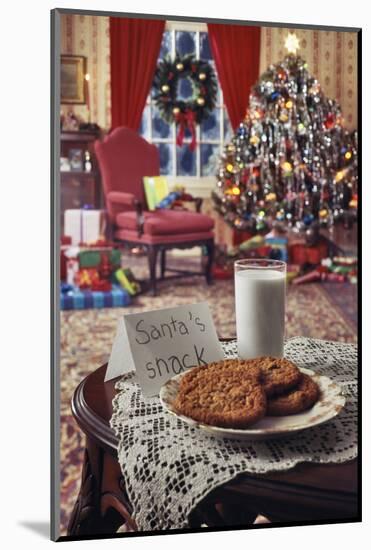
column 186, row 114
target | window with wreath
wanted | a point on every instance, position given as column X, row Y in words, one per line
column 184, row 42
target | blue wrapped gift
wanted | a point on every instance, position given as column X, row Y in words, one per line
column 88, row 299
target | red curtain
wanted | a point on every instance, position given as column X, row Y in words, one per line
column 135, row 46
column 236, row 51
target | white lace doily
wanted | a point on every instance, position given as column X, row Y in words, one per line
column 169, row 466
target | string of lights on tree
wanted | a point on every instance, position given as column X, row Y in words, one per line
column 291, row 160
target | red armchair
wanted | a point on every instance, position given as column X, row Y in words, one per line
column 124, row 158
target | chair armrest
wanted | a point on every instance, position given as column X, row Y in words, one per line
column 128, row 199
column 119, row 197
column 198, row 201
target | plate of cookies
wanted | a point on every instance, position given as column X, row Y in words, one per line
column 262, row 398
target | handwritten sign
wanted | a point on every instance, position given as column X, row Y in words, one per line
column 160, row 344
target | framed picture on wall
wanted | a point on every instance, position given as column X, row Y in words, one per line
column 73, row 70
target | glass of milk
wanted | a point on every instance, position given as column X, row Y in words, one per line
column 260, row 291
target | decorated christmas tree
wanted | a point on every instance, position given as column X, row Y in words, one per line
column 291, row 159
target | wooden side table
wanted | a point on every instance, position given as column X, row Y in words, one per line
column 306, row 493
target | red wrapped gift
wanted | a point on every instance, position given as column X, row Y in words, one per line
column 101, row 285
column 87, row 277
column 240, row 237
column 302, row 254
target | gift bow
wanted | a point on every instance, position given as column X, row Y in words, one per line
column 186, row 120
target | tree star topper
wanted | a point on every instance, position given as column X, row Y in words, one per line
column 292, row 43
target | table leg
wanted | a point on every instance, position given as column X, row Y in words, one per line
column 210, row 247
column 152, row 259
column 227, row 513
column 163, row 263
column 86, row 517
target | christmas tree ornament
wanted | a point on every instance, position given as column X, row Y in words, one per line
column 254, row 140
column 202, row 76
column 287, row 168
column 179, row 67
column 165, row 88
column 271, row 197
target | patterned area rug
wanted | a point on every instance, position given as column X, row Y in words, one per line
column 86, row 338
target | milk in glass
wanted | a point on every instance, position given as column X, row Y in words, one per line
column 260, row 312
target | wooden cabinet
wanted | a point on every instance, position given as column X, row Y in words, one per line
column 79, row 187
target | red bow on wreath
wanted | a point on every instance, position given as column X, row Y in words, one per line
column 186, row 120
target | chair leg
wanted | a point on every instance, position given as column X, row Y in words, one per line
column 163, row 262
column 210, row 247
column 152, row 259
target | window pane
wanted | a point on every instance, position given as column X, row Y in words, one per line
column 160, row 128
column 185, row 89
column 144, row 123
column 210, row 128
column 166, row 158
column 185, row 42
column 228, row 131
column 185, row 161
column 209, row 159
column 205, row 51
column 165, row 44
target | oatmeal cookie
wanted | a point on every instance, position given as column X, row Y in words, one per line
column 226, row 398
column 278, row 375
column 244, row 368
column 297, row 400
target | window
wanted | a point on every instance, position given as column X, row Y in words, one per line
column 211, row 134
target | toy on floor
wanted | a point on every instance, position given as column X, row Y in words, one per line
column 126, row 279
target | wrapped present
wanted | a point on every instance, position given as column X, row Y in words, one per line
column 345, row 260
column 126, row 279
column 301, row 254
column 156, row 189
column 169, row 200
column 279, row 246
column 88, row 299
column 84, row 225
column 254, row 242
column 92, row 257
column 85, row 278
column 101, row 284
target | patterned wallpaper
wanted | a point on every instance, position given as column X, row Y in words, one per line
column 89, row 36
column 331, row 57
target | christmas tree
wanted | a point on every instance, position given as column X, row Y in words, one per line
column 291, row 159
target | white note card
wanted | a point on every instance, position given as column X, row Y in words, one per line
column 162, row 343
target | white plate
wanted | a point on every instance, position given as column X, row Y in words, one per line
column 330, row 403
